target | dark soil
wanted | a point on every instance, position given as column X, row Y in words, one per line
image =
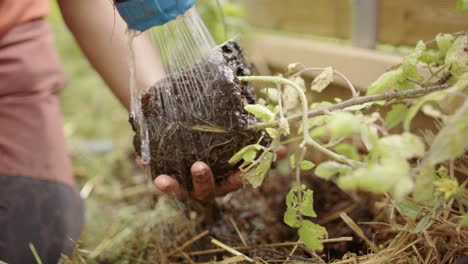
column 200, row 96
column 258, row 214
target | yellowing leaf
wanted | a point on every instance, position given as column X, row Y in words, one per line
column 292, row 67
column 409, row 63
column 311, row 234
column 457, row 56
column 452, row 139
column 443, row 43
column 424, row 189
column 261, row 112
column 415, row 108
column 271, row 93
column 343, row 124
column 378, row 178
column 385, row 81
column 290, row 96
column 348, row 151
column 404, row 146
column 323, row 80
column 369, row 136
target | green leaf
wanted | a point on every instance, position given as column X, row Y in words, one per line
column 464, row 221
column 307, row 206
column 306, row 165
column 292, row 161
column 396, row 115
column 423, row 224
column 343, row 124
column 311, row 234
column 385, row 81
column 348, row 151
column 249, row 155
column 462, row 6
column 255, row 177
column 261, row 112
column 328, row 169
column 238, row 156
column 272, row 132
column 408, row 208
column 452, row 139
column 290, row 217
column 323, row 80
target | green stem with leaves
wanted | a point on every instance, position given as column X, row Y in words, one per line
column 305, row 109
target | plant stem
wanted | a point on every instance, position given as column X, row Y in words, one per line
column 342, row 76
column 361, row 100
column 305, row 108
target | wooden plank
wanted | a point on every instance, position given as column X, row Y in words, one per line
column 407, row 22
column 361, row 66
column 321, row 17
column 401, row 22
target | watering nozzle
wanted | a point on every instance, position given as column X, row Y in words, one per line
column 145, row 14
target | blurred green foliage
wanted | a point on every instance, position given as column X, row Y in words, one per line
column 225, row 19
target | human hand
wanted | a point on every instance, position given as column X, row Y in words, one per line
column 204, row 185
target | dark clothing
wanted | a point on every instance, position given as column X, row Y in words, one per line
column 39, row 203
column 47, row 214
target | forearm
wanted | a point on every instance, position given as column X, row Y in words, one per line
column 100, row 32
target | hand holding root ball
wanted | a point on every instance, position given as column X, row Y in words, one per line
column 204, row 186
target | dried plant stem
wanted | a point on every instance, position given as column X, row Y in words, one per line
column 188, row 243
column 285, row 244
column 230, row 250
column 413, row 93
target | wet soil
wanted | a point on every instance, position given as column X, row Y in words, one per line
column 197, row 114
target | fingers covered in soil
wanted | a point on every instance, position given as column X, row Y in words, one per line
column 203, row 181
column 204, row 186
